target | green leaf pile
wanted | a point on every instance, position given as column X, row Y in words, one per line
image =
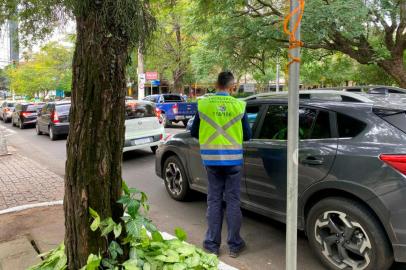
column 148, row 250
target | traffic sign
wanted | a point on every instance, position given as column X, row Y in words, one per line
column 156, row 82
column 151, row 75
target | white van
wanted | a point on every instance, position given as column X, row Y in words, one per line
column 143, row 126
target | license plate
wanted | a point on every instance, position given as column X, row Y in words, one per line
column 141, row 141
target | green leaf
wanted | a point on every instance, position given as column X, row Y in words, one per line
column 115, row 249
column 179, row 266
column 193, row 261
column 108, row 226
column 131, row 264
column 124, row 199
column 125, row 188
column 186, row 250
column 117, row 230
column 93, row 262
column 132, row 208
column 134, row 191
column 146, row 266
column 95, row 224
column 93, row 213
column 157, row 236
column 180, row 234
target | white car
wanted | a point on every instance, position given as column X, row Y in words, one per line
column 143, row 126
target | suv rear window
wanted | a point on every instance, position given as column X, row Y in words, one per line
column 173, row 98
column 139, row 110
column 349, row 127
column 10, row 105
column 33, row 108
column 396, row 118
column 64, row 108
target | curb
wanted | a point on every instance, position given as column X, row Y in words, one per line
column 29, row 206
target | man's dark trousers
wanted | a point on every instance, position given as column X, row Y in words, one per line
column 224, row 182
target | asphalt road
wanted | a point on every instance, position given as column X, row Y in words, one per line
column 265, row 238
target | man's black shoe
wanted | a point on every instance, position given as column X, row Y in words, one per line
column 217, row 253
column 236, row 253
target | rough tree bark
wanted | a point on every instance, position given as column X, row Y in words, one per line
column 94, row 156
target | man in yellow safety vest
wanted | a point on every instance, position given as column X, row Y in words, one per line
column 221, row 125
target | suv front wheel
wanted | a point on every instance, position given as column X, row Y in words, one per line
column 176, row 182
column 346, row 235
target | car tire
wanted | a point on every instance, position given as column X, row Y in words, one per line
column 52, row 135
column 185, row 122
column 37, row 129
column 165, row 120
column 176, row 182
column 345, row 234
column 153, row 149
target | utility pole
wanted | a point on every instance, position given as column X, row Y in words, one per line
column 293, row 136
column 278, row 68
column 14, row 46
column 141, row 73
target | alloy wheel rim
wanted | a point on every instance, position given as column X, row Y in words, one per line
column 344, row 241
column 174, row 179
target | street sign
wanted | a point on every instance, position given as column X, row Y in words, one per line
column 141, row 77
column 249, row 88
column 156, row 82
column 151, row 75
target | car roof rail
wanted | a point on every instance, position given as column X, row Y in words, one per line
column 321, row 95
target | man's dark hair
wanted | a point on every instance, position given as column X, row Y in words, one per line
column 225, row 79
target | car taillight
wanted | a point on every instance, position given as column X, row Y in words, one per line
column 54, row 117
column 398, row 162
column 175, row 109
column 25, row 114
column 158, row 115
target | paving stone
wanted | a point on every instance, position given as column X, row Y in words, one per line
column 24, row 181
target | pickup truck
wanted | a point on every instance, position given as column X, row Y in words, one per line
column 173, row 108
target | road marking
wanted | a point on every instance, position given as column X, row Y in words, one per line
column 29, row 206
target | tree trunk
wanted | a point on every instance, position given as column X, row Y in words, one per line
column 95, row 143
column 395, row 67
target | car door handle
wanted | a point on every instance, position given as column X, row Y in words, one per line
column 312, row 161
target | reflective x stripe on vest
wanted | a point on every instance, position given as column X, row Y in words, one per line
column 222, row 147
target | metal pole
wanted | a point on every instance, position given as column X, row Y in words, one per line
column 293, row 146
column 141, row 75
column 3, row 143
column 278, row 68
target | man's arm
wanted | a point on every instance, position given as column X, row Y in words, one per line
column 194, row 131
column 246, row 128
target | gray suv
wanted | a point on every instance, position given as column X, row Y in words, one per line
column 352, row 183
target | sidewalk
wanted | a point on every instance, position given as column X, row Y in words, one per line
column 24, row 181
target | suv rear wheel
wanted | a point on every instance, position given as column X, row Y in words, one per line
column 176, row 182
column 346, row 235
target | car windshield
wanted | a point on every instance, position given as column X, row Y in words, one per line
column 172, row 98
column 139, row 110
column 10, row 105
column 63, row 108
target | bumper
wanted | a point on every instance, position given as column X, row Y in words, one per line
column 395, row 221
column 132, row 144
column 158, row 161
column 183, row 117
column 61, row 129
column 30, row 121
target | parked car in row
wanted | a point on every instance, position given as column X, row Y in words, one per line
column 53, row 119
column 173, row 108
column 25, row 114
column 143, row 126
column 352, row 175
column 6, row 110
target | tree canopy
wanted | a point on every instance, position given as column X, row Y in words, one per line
column 49, row 69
